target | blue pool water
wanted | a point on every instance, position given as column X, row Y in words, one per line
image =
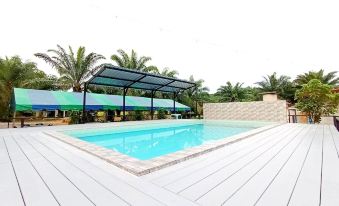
column 153, row 141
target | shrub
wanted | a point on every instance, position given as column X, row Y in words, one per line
column 139, row 115
column 161, row 114
column 316, row 99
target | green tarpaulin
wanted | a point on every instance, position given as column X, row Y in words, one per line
column 38, row 100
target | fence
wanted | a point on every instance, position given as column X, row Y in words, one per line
column 275, row 111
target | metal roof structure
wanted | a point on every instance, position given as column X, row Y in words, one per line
column 114, row 76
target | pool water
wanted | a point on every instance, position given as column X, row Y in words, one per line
column 146, row 143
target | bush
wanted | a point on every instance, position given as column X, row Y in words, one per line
column 161, row 114
column 74, row 117
column 139, row 115
column 316, row 100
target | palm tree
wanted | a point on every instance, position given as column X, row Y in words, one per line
column 14, row 73
column 273, row 83
column 169, row 73
column 74, row 69
column 195, row 96
column 122, row 59
column 230, row 93
column 329, row 78
column 282, row 85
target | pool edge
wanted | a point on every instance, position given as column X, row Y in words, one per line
column 143, row 167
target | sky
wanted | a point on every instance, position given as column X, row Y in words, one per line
column 218, row 41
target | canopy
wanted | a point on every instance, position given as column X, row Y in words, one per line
column 110, row 75
column 37, row 100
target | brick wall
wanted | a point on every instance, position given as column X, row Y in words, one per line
column 263, row 111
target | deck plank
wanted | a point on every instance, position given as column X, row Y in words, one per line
column 292, row 164
column 278, row 193
column 184, row 171
column 224, row 189
column 68, row 184
column 123, row 190
column 260, row 181
column 208, row 184
column 335, row 138
column 197, row 175
column 307, row 188
column 185, row 168
column 9, row 188
column 34, row 190
column 330, row 180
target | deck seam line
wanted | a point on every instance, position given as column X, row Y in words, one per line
column 301, row 169
column 49, row 189
column 16, row 177
column 61, row 172
column 243, row 167
column 83, row 172
column 219, row 151
column 269, row 161
column 279, row 172
column 269, row 141
column 263, row 138
column 114, row 177
column 322, row 164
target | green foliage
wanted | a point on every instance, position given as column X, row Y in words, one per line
column 329, row 78
column 74, row 69
column 280, row 84
column 132, row 61
column 15, row 73
column 316, row 99
column 139, row 115
column 230, row 93
column 161, row 114
column 74, row 117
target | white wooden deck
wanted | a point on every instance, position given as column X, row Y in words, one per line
column 291, row 164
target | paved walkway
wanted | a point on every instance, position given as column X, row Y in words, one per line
column 292, row 164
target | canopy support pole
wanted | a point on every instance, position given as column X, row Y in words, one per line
column 152, row 109
column 174, row 97
column 84, row 104
column 124, row 104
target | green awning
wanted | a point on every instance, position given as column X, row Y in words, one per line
column 38, row 100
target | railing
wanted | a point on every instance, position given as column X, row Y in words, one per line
column 293, row 118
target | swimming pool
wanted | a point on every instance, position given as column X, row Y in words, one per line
column 145, row 142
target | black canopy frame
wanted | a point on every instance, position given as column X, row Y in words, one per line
column 114, row 76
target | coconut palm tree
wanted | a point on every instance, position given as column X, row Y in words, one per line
column 74, row 69
column 329, row 78
column 122, row 59
column 169, row 73
column 273, row 83
column 230, row 93
column 280, row 84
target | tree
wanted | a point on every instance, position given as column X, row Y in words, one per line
column 230, row 93
column 122, row 59
column 282, row 85
column 195, row 95
column 169, row 73
column 15, row 73
column 329, row 78
column 74, row 69
column 316, row 100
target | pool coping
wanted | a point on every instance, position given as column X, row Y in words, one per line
column 143, row 167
